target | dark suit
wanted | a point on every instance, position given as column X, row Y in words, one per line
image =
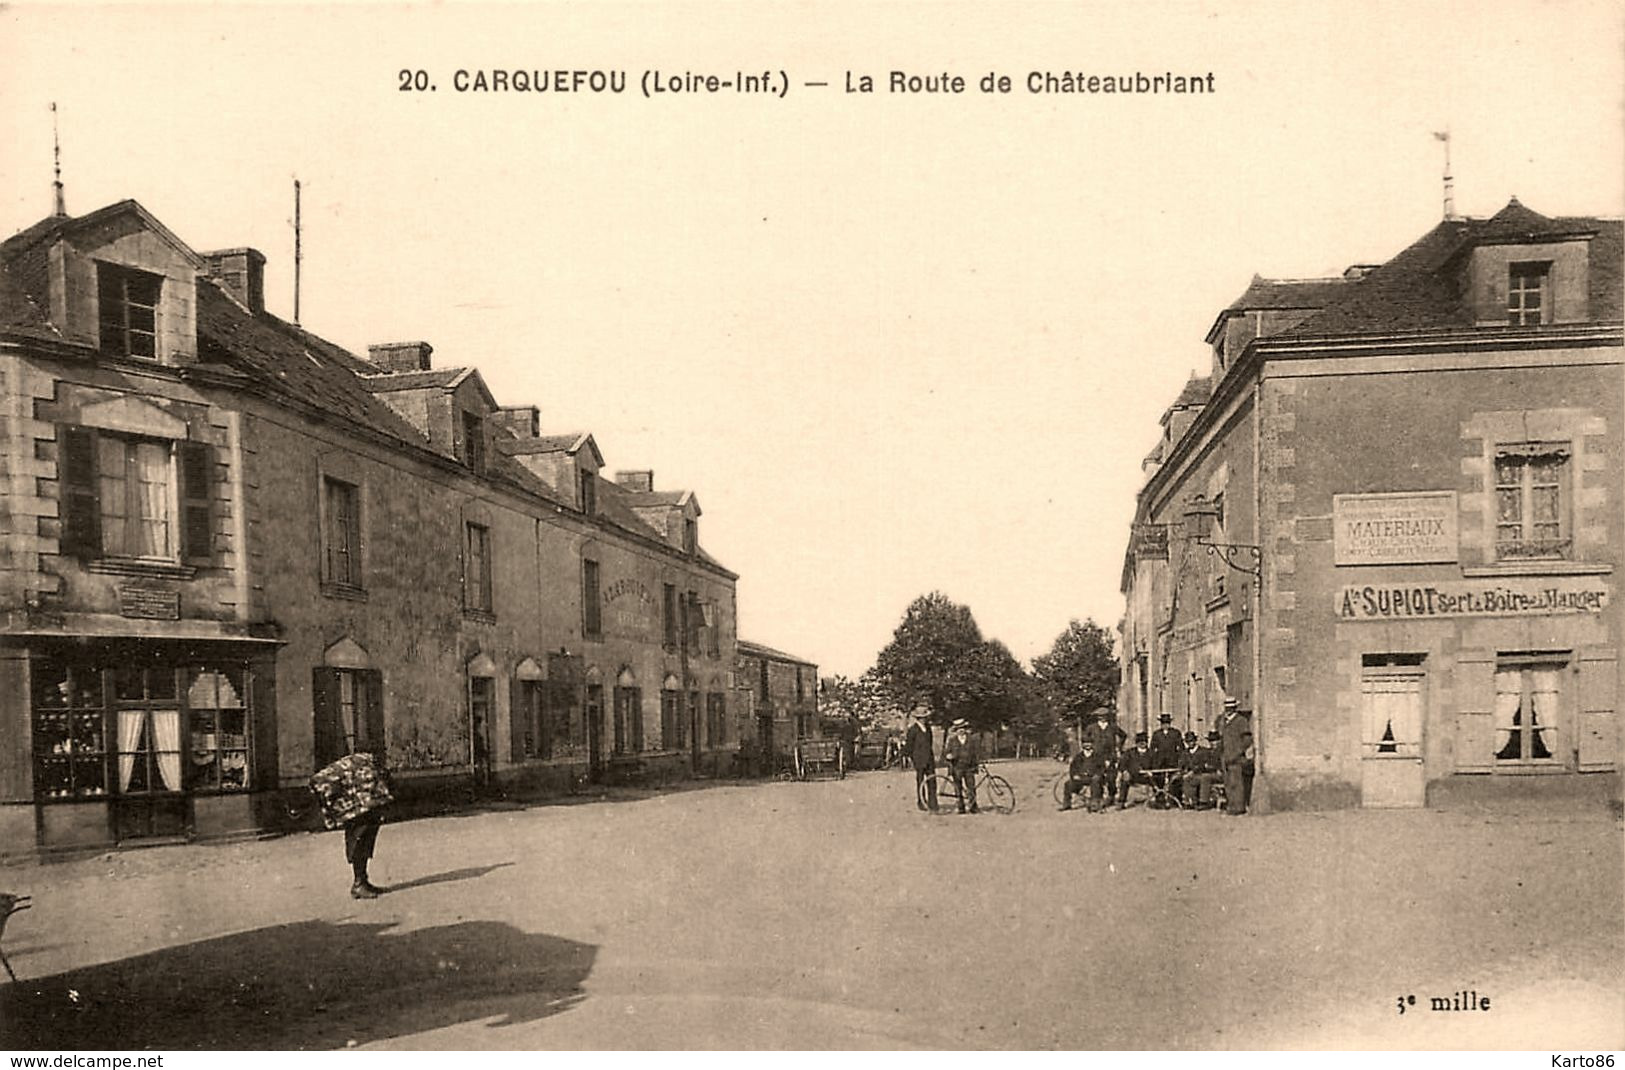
column 1201, row 770
column 917, row 745
column 1088, row 770
column 1167, row 752
column 962, row 761
column 1236, row 751
column 1131, row 770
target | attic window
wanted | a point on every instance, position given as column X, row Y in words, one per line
column 473, row 442
column 127, row 302
column 1527, row 305
column 691, row 535
column 589, row 493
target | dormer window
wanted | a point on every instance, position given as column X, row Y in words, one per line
column 691, row 535
column 589, row 493
column 473, row 442
column 1527, row 303
column 127, row 302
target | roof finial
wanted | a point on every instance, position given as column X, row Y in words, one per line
column 56, row 154
column 1449, row 183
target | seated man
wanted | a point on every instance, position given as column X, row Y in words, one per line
column 1088, row 769
column 1201, row 771
column 1167, row 756
column 1132, row 769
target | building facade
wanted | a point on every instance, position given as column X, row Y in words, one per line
column 231, row 551
column 1389, row 521
column 778, row 700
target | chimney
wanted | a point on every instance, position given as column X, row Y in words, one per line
column 642, row 480
column 401, row 356
column 521, row 421
column 242, row 272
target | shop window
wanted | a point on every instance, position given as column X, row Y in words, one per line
column 70, row 731
column 1528, row 709
column 1527, row 285
column 217, row 713
column 349, row 713
column 341, row 533
column 1391, row 697
column 592, row 612
column 1530, row 490
column 127, row 303
column 477, row 569
column 148, row 727
column 122, row 496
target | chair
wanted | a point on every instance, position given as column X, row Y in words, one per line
column 9, row 905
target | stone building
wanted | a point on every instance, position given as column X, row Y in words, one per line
column 779, row 698
column 1388, row 520
column 231, row 551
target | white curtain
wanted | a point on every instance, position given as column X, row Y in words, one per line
column 1508, row 694
column 166, row 725
column 129, row 735
column 152, row 480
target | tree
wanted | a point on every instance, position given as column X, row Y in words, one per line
column 932, row 659
column 1079, row 673
column 842, row 698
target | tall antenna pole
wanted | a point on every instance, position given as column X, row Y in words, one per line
column 298, row 254
column 1449, row 183
column 56, row 153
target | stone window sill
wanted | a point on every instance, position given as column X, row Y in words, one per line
column 347, row 591
column 129, row 566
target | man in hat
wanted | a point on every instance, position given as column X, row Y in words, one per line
column 1108, row 741
column 1167, row 755
column 1086, row 770
column 1201, row 771
column 960, row 754
column 917, row 745
column 1236, row 754
column 1133, row 769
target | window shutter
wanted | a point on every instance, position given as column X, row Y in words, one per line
column 324, row 695
column 262, row 737
column 374, row 710
column 197, row 484
column 81, row 506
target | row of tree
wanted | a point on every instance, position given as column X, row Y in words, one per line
column 939, row 659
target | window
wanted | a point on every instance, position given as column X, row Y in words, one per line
column 592, row 614
column 764, row 680
column 127, row 301
column 713, row 629
column 149, row 729
column 477, row 570
column 1530, row 484
column 692, row 728
column 341, row 533
column 668, row 615
column 529, row 726
column 671, row 719
column 801, row 686
column 691, row 535
column 70, row 731
column 589, row 493
column 218, row 718
column 628, row 727
column 349, row 712
column 473, row 442
column 716, row 720
column 692, row 620
column 1526, row 294
column 122, row 495
column 1527, row 709
column 1391, row 703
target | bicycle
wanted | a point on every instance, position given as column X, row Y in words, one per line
column 993, row 792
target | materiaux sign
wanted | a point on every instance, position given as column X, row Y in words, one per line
column 1470, row 598
column 1394, row 529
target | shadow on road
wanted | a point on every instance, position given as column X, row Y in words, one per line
column 307, row 985
column 466, row 874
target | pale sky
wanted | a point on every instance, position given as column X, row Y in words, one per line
column 894, row 343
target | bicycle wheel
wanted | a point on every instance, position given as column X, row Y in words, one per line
column 1058, row 790
column 947, row 795
column 1000, row 795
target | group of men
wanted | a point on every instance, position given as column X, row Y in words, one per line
column 958, row 752
column 1180, row 771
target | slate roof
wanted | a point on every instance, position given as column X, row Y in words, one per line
column 1422, row 288
column 541, row 444
column 749, row 649
column 1287, row 293
column 385, row 382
